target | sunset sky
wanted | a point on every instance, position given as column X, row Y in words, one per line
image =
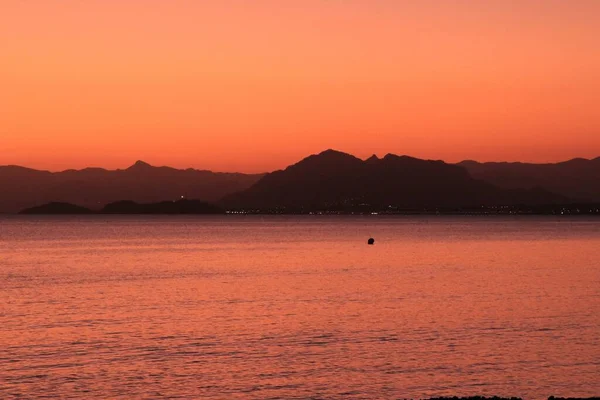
column 241, row 85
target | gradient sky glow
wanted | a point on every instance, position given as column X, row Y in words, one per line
column 238, row 85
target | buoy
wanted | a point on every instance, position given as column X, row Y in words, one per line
column 371, row 241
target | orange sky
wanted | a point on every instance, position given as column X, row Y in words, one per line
column 238, row 85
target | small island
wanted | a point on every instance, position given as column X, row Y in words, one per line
column 56, row 208
column 182, row 206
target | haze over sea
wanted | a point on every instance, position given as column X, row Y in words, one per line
column 255, row 307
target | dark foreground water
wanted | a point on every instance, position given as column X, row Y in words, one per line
column 298, row 307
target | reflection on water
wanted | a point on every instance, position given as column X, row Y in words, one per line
column 299, row 307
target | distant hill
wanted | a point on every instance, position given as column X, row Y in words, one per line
column 94, row 187
column 334, row 180
column 578, row 179
column 56, row 209
column 183, row 206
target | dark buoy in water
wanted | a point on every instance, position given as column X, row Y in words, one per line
column 371, row 241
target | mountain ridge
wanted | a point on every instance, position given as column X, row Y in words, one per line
column 330, row 178
column 578, row 178
column 336, row 180
column 93, row 187
column 373, row 156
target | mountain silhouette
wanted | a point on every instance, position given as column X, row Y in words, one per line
column 578, row 178
column 330, row 180
column 333, row 180
column 94, row 187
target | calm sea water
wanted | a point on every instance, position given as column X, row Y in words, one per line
column 298, row 307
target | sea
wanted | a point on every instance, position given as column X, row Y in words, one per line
column 299, row 307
